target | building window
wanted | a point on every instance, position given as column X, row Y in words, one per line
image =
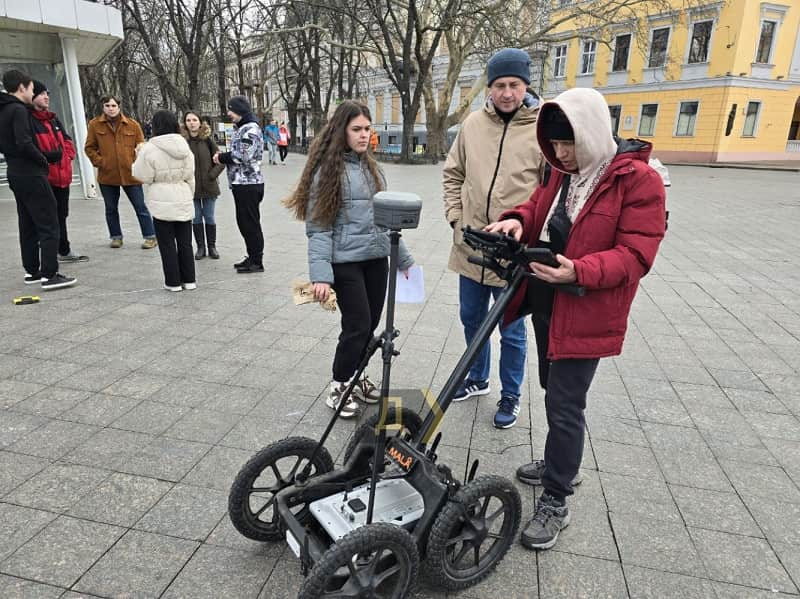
column 615, row 111
column 622, row 48
column 560, row 61
column 765, row 42
column 751, row 119
column 587, row 57
column 701, row 38
column 647, row 121
column 687, row 115
column 659, row 43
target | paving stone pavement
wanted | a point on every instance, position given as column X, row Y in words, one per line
column 126, row 410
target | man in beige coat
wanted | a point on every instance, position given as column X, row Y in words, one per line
column 494, row 165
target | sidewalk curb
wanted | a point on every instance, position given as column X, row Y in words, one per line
column 750, row 167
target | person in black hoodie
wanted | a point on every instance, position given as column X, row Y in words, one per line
column 27, row 178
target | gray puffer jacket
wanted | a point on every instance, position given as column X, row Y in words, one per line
column 354, row 236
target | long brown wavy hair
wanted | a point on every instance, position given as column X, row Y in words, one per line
column 326, row 155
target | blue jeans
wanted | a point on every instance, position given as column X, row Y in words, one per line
column 204, row 211
column 474, row 306
column 136, row 196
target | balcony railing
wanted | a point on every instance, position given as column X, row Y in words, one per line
column 793, row 146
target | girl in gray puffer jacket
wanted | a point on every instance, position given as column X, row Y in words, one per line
column 346, row 250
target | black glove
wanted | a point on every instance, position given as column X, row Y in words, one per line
column 53, row 157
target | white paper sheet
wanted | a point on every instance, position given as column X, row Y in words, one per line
column 412, row 289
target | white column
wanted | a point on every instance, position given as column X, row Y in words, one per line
column 78, row 116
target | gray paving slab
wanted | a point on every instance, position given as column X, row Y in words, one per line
column 185, row 511
column 62, row 551
column 12, row 587
column 140, row 565
column 123, row 406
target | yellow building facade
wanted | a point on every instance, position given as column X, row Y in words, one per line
column 714, row 82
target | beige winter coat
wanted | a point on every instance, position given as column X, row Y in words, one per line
column 165, row 165
column 491, row 168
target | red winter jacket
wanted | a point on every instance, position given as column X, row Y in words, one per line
column 613, row 243
column 50, row 136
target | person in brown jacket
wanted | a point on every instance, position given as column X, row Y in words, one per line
column 206, row 187
column 111, row 146
column 493, row 166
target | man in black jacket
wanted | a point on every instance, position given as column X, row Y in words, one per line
column 27, row 178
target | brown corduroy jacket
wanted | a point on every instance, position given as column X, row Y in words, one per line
column 113, row 151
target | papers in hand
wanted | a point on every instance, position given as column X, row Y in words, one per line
column 303, row 293
column 412, row 289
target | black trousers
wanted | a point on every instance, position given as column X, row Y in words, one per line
column 62, row 207
column 247, row 198
column 566, row 385
column 38, row 224
column 360, row 292
column 177, row 255
column 283, row 151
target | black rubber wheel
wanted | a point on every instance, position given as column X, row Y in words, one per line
column 251, row 500
column 472, row 533
column 410, row 421
column 378, row 561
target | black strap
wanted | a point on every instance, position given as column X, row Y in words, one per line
column 561, row 207
column 560, row 224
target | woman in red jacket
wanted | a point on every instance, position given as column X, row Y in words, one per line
column 603, row 214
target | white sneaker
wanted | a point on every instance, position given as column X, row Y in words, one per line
column 173, row 288
column 190, row 286
column 366, row 391
column 334, row 398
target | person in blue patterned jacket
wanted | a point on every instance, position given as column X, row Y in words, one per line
column 243, row 162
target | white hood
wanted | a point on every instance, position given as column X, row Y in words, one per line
column 587, row 112
column 173, row 144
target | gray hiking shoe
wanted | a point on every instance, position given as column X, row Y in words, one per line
column 531, row 474
column 549, row 518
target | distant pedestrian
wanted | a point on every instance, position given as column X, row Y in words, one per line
column 283, row 142
column 110, row 145
column 373, row 141
column 165, row 164
column 27, row 169
column 273, row 134
column 51, row 136
column 246, row 181
column 206, row 187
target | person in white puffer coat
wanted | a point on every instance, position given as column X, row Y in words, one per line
column 165, row 164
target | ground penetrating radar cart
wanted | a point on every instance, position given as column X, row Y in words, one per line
column 391, row 512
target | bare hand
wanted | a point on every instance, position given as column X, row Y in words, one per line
column 215, row 158
column 322, row 291
column 510, row 226
column 563, row 274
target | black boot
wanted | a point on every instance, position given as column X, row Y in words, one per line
column 200, row 238
column 211, row 236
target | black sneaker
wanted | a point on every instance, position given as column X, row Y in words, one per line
column 72, row 257
column 33, row 279
column 470, row 388
column 531, row 474
column 549, row 518
column 250, row 268
column 57, row 281
column 245, row 262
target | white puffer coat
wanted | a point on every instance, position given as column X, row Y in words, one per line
column 165, row 165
